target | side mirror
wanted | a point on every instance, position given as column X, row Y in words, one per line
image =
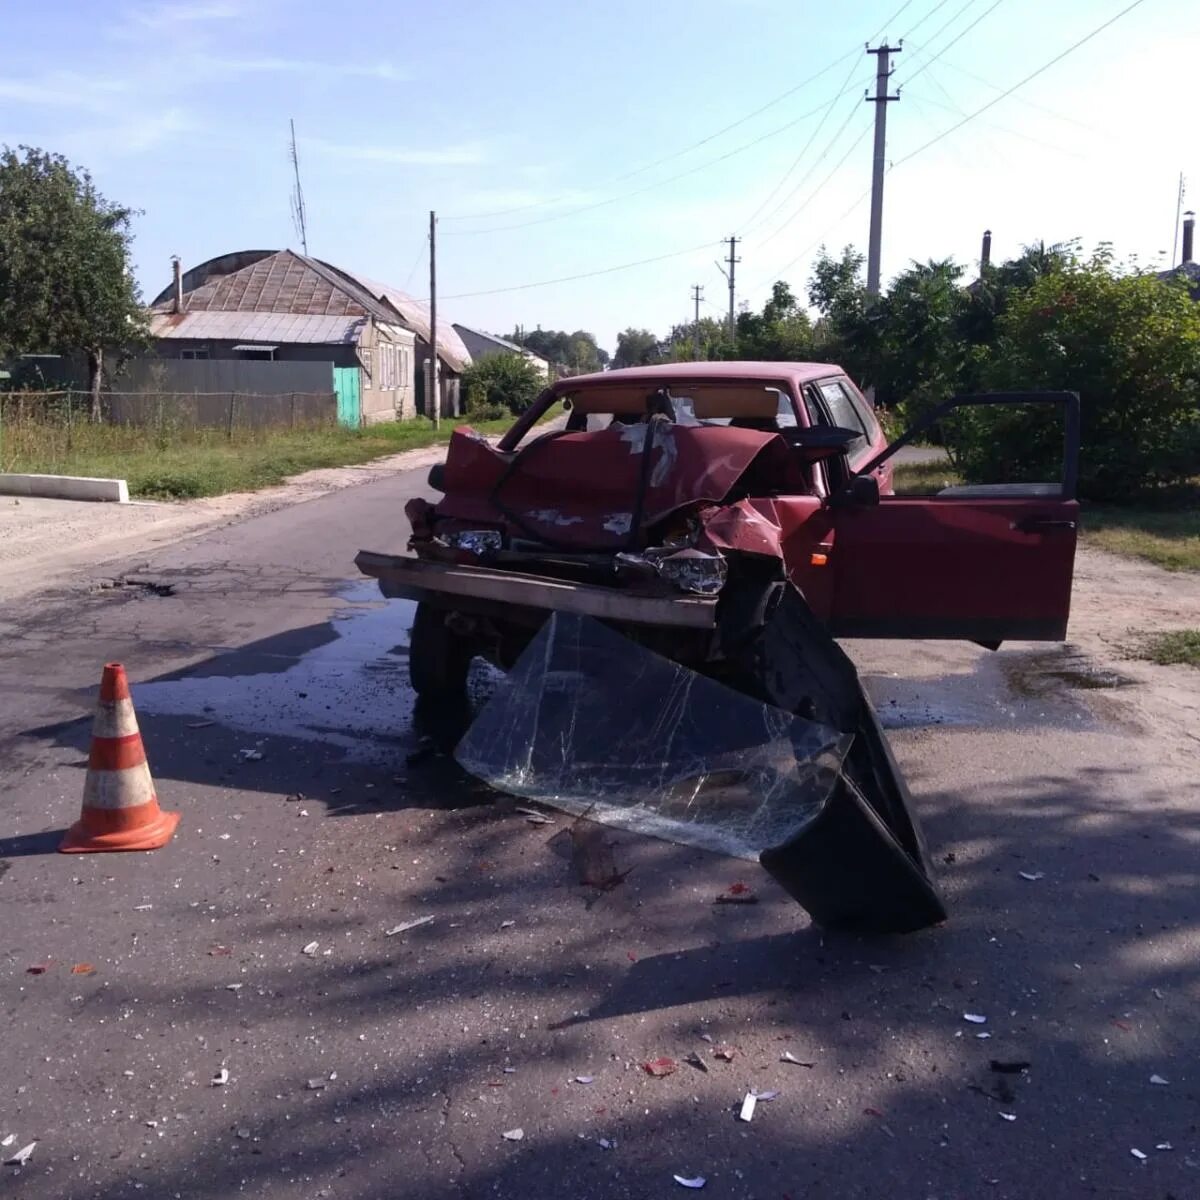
column 861, row 492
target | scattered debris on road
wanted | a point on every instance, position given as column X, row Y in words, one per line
column 513, row 1135
column 788, row 1057
column 658, row 1067
column 975, row 1018
column 724, row 1053
column 310, row 949
column 697, row 1182
column 748, row 1105
column 1159, row 1080
column 405, row 926
column 1137, row 1154
column 221, row 1078
column 250, row 755
column 22, row 1156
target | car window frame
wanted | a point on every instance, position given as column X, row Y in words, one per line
column 863, row 450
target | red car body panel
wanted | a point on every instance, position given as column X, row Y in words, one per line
column 578, row 489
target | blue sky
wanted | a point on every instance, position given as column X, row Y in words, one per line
column 578, row 125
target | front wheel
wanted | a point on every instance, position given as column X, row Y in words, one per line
column 438, row 658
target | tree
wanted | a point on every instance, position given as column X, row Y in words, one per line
column 1129, row 344
column 498, row 384
column 65, row 282
column 919, row 343
column 782, row 332
column 569, row 353
column 847, row 331
column 636, row 348
column 680, row 344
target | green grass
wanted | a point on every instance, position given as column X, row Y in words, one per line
column 1180, row 646
column 184, row 464
column 924, row 479
column 1168, row 538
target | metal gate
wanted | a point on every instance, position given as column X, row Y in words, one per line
column 349, row 399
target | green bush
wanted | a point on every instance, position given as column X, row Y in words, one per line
column 1129, row 344
column 501, row 384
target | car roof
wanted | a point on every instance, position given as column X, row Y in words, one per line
column 704, row 372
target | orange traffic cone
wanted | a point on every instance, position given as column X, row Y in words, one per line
column 120, row 809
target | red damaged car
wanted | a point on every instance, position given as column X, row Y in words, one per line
column 670, row 483
column 736, row 518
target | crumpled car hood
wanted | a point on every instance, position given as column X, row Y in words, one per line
column 591, row 489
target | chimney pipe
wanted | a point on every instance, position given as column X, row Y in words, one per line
column 177, row 267
column 985, row 255
column 1189, row 235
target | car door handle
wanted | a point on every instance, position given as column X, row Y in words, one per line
column 1036, row 524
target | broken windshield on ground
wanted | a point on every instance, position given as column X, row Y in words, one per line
column 591, row 722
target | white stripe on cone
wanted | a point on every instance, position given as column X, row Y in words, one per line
column 114, row 718
column 118, row 789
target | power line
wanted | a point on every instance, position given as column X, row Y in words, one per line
column 1020, row 83
column 931, row 13
column 921, row 100
column 641, row 262
column 952, row 43
column 712, row 162
column 748, row 224
column 970, row 117
column 841, row 162
column 658, row 162
column 416, row 263
column 807, row 175
column 1029, row 103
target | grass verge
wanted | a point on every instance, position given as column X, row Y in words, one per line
column 1168, row 538
column 1180, row 646
column 205, row 462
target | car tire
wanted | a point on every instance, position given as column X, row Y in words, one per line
column 439, row 660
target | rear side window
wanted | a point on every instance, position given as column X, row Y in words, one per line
column 844, row 413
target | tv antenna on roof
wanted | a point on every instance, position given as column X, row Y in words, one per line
column 299, row 218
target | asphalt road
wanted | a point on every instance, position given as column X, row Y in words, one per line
column 381, row 1066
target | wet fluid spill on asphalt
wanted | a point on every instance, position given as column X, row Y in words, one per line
column 351, row 690
column 1009, row 688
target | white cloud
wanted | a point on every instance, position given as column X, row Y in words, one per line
column 171, row 14
column 463, row 155
column 62, row 89
column 267, row 65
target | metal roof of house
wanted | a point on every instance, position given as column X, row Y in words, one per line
column 415, row 313
column 503, row 343
column 274, row 327
column 278, row 282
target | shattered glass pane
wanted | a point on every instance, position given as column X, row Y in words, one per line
column 592, row 723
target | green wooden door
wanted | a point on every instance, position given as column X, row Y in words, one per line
column 349, row 400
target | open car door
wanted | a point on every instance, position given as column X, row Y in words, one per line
column 987, row 563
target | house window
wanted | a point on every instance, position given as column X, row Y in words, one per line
column 202, row 353
column 366, row 362
column 387, row 366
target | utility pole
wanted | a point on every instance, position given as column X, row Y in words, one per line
column 434, row 398
column 1178, row 210
column 697, row 296
column 732, row 261
column 881, row 100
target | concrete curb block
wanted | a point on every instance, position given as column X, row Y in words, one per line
column 64, row 487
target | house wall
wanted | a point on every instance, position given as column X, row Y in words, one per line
column 387, row 355
column 449, row 384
